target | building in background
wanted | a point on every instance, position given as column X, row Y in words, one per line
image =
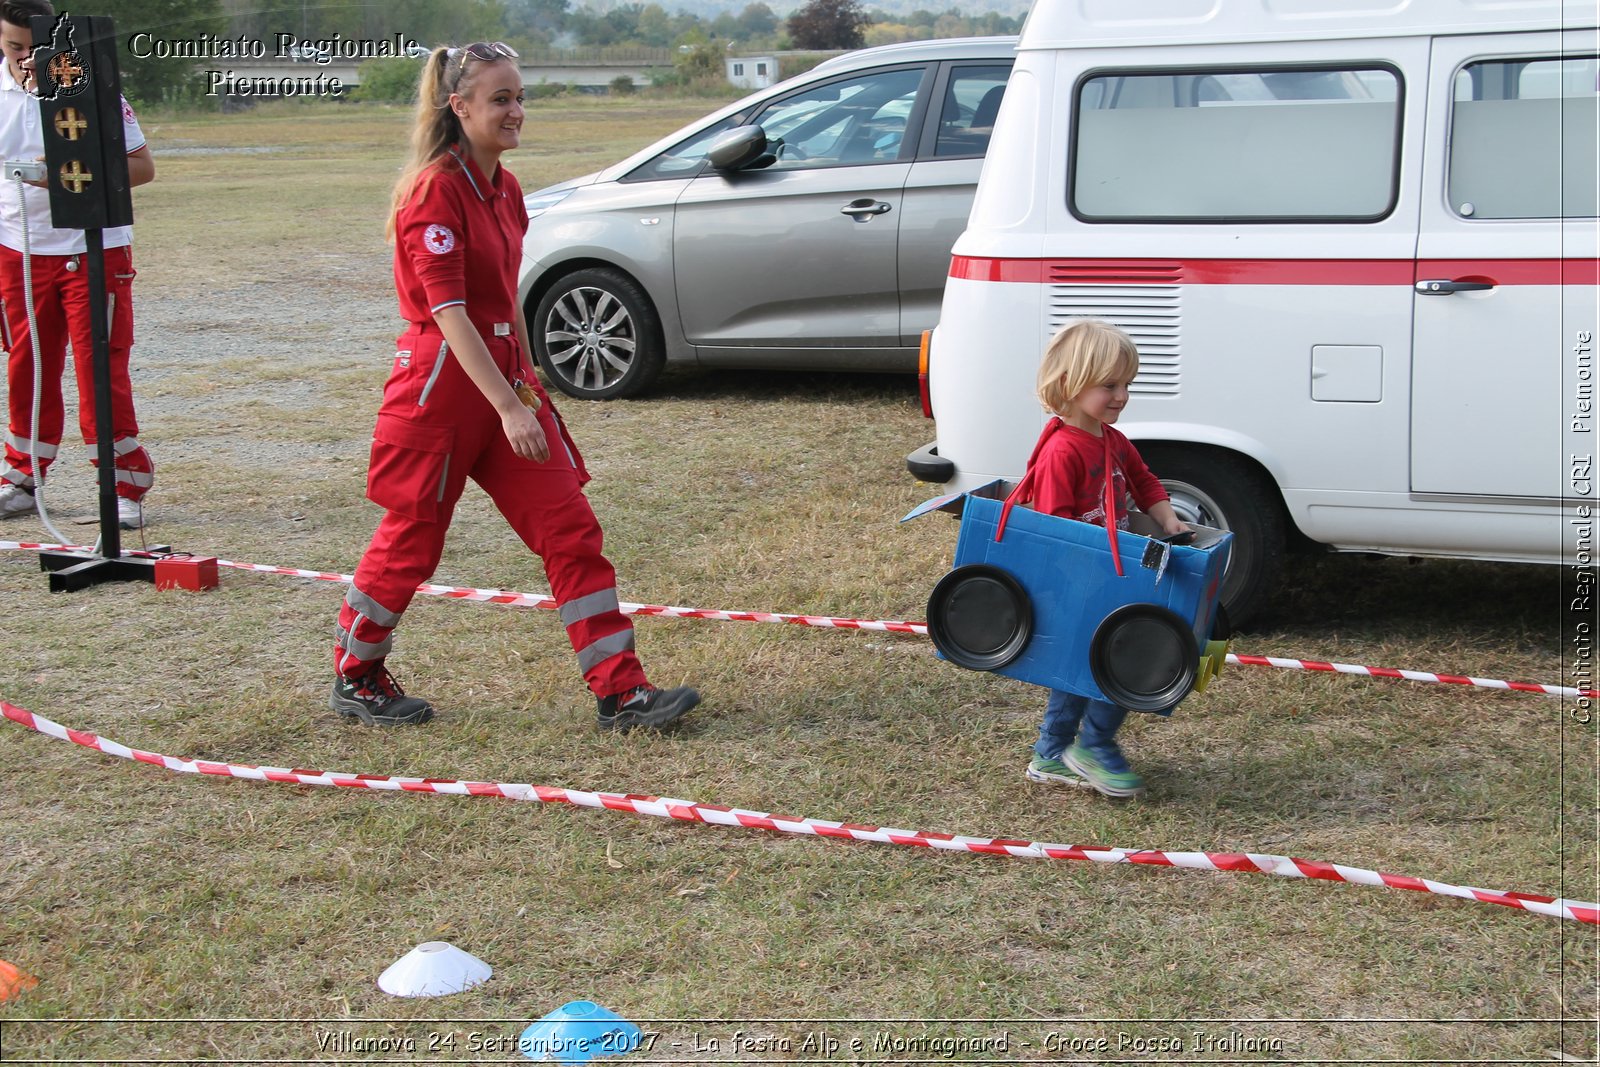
column 752, row 72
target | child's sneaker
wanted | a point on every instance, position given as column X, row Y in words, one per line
column 1100, row 777
column 1054, row 772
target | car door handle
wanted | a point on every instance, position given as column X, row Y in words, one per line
column 861, row 210
column 1444, row 287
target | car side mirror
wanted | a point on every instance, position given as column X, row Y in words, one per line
column 738, row 148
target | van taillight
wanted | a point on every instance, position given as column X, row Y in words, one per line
column 922, row 374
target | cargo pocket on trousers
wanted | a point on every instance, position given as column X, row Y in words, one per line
column 410, row 467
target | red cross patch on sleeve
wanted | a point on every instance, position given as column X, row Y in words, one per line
column 439, row 239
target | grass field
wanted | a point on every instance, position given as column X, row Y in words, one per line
column 183, row 918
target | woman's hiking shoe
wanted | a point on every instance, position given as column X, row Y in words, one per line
column 1054, row 772
column 1124, row 783
column 377, row 700
column 645, row 705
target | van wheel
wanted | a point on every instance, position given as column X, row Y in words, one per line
column 1218, row 490
column 597, row 336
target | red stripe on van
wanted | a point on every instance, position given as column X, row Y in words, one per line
column 1272, row 271
column 1514, row 271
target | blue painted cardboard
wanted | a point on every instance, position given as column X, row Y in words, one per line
column 1067, row 570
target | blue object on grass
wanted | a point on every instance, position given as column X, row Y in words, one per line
column 577, row 1032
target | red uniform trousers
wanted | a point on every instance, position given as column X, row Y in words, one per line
column 61, row 306
column 436, row 430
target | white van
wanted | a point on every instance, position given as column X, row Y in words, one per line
column 1355, row 241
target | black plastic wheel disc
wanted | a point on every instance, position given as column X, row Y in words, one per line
column 1143, row 657
column 979, row 617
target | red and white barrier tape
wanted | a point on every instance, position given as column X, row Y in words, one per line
column 508, row 598
column 1411, row 676
column 689, row 811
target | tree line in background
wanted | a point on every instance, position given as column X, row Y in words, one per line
column 527, row 25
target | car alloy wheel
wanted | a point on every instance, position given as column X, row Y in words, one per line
column 596, row 336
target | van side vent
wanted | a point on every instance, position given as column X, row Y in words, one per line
column 1151, row 314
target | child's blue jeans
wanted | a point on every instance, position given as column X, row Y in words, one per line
column 1094, row 723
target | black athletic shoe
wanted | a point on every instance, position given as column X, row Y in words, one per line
column 377, row 700
column 645, row 706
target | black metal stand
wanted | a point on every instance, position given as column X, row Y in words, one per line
column 80, row 102
column 71, row 571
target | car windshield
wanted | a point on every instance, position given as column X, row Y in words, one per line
column 685, row 157
column 857, row 119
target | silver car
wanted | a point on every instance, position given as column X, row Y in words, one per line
column 808, row 225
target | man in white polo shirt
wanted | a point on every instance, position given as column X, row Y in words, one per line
column 60, row 297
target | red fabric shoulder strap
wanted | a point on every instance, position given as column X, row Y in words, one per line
column 1024, row 490
column 1111, row 502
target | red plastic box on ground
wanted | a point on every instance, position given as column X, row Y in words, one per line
column 186, row 572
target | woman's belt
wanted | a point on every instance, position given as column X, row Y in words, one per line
column 494, row 329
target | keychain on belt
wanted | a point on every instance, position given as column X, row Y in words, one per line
column 525, row 393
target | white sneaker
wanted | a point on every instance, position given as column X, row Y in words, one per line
column 130, row 514
column 15, row 500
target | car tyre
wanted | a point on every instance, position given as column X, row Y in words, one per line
column 1221, row 491
column 597, row 336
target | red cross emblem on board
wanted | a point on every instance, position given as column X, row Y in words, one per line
column 74, row 177
column 70, row 123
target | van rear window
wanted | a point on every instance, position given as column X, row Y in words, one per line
column 1236, row 145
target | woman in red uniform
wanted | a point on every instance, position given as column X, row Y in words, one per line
column 452, row 410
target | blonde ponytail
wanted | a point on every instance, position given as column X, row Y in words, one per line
column 433, row 131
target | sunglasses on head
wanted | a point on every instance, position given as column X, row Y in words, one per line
column 487, row 51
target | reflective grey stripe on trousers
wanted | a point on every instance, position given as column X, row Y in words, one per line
column 362, row 604
column 589, row 605
column 597, row 652
column 28, row 447
column 362, row 650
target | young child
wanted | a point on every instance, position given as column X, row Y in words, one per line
column 1084, row 381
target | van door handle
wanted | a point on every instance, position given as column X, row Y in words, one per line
column 862, row 210
column 1444, row 287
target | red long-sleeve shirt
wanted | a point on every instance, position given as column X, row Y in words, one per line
column 1066, row 475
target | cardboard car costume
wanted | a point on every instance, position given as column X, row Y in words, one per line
column 1038, row 598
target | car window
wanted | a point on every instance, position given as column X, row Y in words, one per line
column 684, row 159
column 1522, row 139
column 861, row 119
column 971, row 101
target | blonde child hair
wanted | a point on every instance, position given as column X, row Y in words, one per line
column 1082, row 354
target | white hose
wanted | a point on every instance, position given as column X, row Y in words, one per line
column 38, row 369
